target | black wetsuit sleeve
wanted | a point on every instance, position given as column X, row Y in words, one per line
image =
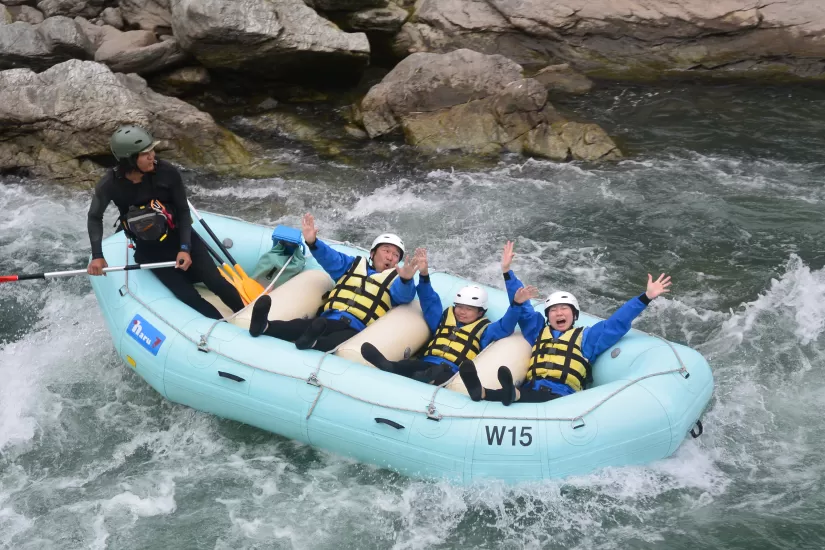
column 184, row 221
column 94, row 220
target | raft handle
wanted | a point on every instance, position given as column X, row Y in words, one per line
column 389, row 422
column 231, row 376
column 693, row 433
column 577, row 423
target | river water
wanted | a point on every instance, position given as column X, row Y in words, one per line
column 722, row 191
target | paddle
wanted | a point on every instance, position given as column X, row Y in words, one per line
column 53, row 274
column 231, row 277
column 251, row 288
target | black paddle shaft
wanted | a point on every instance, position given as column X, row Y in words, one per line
column 217, row 241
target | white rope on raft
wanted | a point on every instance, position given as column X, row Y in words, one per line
column 431, row 411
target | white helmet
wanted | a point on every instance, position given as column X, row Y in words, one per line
column 562, row 298
column 472, row 296
column 389, row 238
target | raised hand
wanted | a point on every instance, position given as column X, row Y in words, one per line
column 423, row 264
column 525, row 293
column 407, row 271
column 308, row 229
column 507, row 257
column 657, row 287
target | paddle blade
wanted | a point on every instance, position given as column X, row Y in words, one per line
column 236, row 281
column 8, row 278
column 252, row 287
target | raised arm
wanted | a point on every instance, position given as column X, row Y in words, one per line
column 605, row 334
column 334, row 263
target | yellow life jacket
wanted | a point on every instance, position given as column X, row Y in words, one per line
column 454, row 343
column 366, row 297
column 560, row 359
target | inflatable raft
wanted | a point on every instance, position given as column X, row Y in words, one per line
column 648, row 394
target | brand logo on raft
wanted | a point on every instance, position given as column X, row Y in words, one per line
column 145, row 334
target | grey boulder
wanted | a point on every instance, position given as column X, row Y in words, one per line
column 54, row 122
column 71, row 8
column 561, row 79
column 479, row 104
column 26, row 14
column 149, row 15
column 388, row 19
column 112, row 17
column 632, row 39
column 40, row 46
column 138, row 52
column 277, row 39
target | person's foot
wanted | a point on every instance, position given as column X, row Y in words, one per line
column 371, row 354
column 260, row 312
column 467, row 371
column 308, row 338
column 505, row 378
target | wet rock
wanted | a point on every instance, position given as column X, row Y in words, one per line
column 388, row 19
column 71, row 8
column 347, row 5
column 644, row 39
column 26, row 14
column 5, row 16
column 16, row 2
column 563, row 80
column 181, row 82
column 112, row 17
column 40, row 46
column 53, row 124
column 479, row 104
column 284, row 39
column 149, row 15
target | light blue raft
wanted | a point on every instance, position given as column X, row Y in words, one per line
column 648, row 394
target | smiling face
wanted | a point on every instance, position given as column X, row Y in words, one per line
column 467, row 314
column 560, row 317
column 385, row 256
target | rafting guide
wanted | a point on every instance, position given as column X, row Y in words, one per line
column 154, row 213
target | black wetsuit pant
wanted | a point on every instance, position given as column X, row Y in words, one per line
column 423, row 371
column 335, row 332
column 528, row 394
column 203, row 270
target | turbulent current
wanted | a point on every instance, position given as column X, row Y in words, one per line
column 721, row 190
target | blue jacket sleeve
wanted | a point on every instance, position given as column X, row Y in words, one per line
column 502, row 328
column 531, row 322
column 401, row 291
column 512, row 284
column 604, row 334
column 430, row 302
column 335, row 263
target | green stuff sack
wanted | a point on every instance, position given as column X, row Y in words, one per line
column 270, row 264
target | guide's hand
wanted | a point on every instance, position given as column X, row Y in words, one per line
column 96, row 267
column 184, row 260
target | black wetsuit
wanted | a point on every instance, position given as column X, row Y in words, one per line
column 165, row 185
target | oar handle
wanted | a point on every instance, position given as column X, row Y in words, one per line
column 211, row 233
column 54, row 274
